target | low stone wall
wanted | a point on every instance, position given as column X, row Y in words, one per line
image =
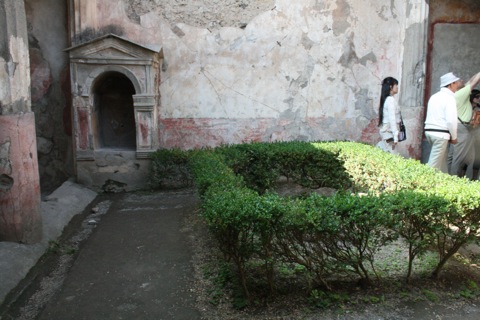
column 114, row 171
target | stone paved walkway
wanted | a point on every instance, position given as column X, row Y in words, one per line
column 136, row 264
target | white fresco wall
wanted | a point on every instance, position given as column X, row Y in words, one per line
column 237, row 71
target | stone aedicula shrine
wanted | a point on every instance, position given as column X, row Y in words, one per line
column 115, row 103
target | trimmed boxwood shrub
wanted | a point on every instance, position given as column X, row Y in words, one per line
column 262, row 164
column 169, row 169
column 379, row 198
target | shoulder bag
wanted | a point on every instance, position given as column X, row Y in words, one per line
column 402, row 134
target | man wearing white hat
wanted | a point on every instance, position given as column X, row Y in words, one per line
column 462, row 154
column 441, row 121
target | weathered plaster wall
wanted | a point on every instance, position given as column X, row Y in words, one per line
column 20, row 211
column 278, row 70
column 50, row 91
column 14, row 77
column 20, row 218
column 452, row 30
column 210, row 14
column 242, row 70
column 454, row 50
column 412, row 85
column 454, row 11
column 458, row 58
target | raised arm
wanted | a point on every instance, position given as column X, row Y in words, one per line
column 474, row 80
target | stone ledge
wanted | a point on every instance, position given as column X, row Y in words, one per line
column 57, row 210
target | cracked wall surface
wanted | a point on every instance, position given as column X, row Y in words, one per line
column 211, row 14
column 282, row 70
column 20, row 216
column 14, row 68
column 260, row 70
column 14, row 63
column 20, row 219
column 239, row 71
column 306, row 70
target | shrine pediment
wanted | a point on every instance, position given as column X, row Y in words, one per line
column 113, row 47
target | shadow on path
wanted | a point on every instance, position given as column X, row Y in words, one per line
column 136, row 264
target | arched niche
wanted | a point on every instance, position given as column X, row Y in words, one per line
column 113, row 115
column 97, row 72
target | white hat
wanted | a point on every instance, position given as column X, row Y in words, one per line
column 448, row 78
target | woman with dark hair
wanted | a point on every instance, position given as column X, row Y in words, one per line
column 388, row 115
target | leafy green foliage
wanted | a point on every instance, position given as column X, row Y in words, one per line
column 168, row 169
column 357, row 232
column 470, row 290
column 262, row 164
column 380, row 197
column 323, row 300
column 416, row 217
column 431, row 296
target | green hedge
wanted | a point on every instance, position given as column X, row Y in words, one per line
column 262, row 164
column 380, row 197
column 169, row 169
